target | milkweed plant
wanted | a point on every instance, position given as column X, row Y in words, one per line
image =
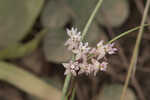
column 90, row 60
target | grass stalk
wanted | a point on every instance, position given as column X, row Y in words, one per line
column 136, row 51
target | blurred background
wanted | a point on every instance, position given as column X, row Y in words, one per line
column 32, row 37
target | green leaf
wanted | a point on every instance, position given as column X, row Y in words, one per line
column 27, row 82
column 113, row 12
column 16, row 19
column 54, row 81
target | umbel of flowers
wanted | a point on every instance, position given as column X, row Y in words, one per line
column 87, row 59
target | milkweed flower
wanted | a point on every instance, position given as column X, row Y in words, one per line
column 110, row 48
column 88, row 60
column 71, row 67
column 100, row 50
column 74, row 39
column 82, row 50
column 103, row 66
column 96, row 66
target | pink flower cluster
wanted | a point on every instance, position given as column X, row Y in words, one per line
column 87, row 60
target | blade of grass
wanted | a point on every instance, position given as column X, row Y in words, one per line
column 68, row 77
column 136, row 50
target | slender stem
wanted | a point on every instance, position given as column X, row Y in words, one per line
column 91, row 19
column 136, row 50
column 73, row 93
column 126, row 33
column 66, row 85
column 68, row 77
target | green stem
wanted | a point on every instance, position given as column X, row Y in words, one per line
column 136, row 50
column 91, row 19
column 68, row 77
column 73, row 93
column 66, row 85
column 126, row 33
